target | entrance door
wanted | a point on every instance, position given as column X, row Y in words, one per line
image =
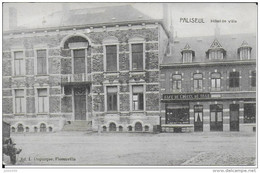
column 80, row 103
column 234, row 117
column 216, row 117
column 198, row 118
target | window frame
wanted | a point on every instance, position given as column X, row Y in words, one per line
column 37, row 100
column 116, row 94
column 23, row 59
column 14, row 101
column 251, row 120
column 234, row 81
column 36, row 61
column 216, row 53
column 184, row 58
column 197, row 81
column 105, row 56
column 196, row 110
column 178, row 82
column 136, row 40
column 253, row 79
column 215, row 81
column 138, row 101
column 73, row 60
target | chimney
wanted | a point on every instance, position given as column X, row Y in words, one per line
column 166, row 15
column 12, row 18
column 217, row 31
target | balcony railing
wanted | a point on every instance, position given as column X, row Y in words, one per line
column 81, row 77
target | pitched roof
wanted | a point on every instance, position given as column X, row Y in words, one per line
column 230, row 43
column 101, row 15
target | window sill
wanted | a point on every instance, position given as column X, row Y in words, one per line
column 19, row 114
column 42, row 113
column 40, row 75
column 137, row 71
column 18, row 76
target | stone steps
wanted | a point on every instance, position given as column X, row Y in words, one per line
column 78, row 126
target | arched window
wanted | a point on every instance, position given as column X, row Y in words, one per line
column 42, row 127
column 197, row 81
column 27, row 129
column 120, row 128
column 20, row 128
column 130, row 128
column 138, row 127
column 104, row 128
column 75, row 41
column 13, row 129
column 35, row 129
column 50, row 129
column 112, row 127
column 146, row 128
column 215, row 81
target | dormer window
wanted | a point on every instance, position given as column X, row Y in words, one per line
column 187, row 54
column 244, row 52
column 216, row 51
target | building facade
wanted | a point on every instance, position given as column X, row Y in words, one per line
column 97, row 69
column 210, row 83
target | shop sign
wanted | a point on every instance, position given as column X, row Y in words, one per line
column 186, row 96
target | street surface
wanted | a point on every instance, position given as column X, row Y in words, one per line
column 136, row 149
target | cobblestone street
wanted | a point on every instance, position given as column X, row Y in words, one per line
column 165, row 149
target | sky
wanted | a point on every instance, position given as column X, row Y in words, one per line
column 245, row 15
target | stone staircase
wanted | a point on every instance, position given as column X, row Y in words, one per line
column 78, row 126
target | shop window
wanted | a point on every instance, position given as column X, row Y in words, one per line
column 197, row 81
column 35, row 129
column 120, row 128
column 79, row 61
column 178, row 114
column 253, row 79
column 215, row 81
column 13, row 129
column 19, row 67
column 137, row 57
column 138, row 98
column 111, row 58
column 233, row 79
column 130, row 128
column 27, row 129
column 138, row 127
column 249, row 113
column 50, row 129
column 20, row 128
column 176, row 82
column 112, row 127
column 146, row 128
column 41, row 62
column 19, row 101
column 43, row 127
column 104, row 128
column 112, row 98
column 43, row 105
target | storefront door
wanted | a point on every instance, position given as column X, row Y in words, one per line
column 216, row 117
column 234, row 117
column 80, row 103
column 198, row 118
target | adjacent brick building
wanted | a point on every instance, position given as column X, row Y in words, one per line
column 210, row 83
column 98, row 68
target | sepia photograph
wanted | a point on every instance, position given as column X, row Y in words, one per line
column 129, row 84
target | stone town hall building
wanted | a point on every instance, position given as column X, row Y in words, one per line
column 92, row 69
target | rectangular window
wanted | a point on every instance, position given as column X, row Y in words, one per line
column 249, row 113
column 233, row 79
column 19, row 63
column 112, row 98
column 138, row 98
column 43, row 105
column 19, row 101
column 41, row 62
column 137, row 56
column 79, row 61
column 253, row 78
column 111, row 58
column 216, row 113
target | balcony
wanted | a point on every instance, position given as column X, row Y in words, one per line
column 70, row 79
